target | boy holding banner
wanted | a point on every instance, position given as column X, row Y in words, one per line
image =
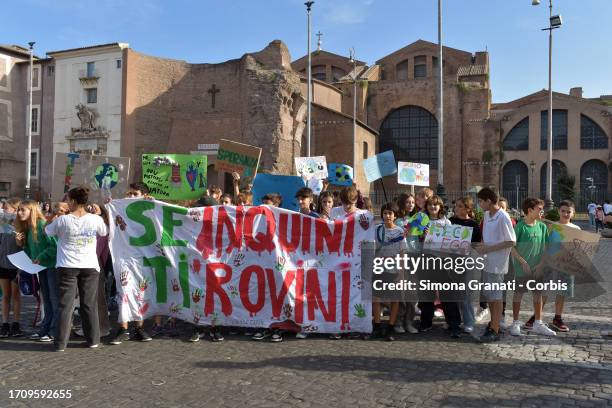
column 531, row 238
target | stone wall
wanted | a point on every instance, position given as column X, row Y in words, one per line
column 169, row 106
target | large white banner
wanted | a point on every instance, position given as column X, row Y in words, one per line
column 239, row 266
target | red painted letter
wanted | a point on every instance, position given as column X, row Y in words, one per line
column 213, row 286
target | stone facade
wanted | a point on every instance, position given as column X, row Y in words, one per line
column 173, row 106
column 14, row 100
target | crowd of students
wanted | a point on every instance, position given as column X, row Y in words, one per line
column 70, row 241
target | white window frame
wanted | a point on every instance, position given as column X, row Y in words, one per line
column 9, row 109
column 37, row 120
column 9, row 67
column 37, row 166
column 39, row 67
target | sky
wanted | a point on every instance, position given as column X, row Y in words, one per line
column 211, row 31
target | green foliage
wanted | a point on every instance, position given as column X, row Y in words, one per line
column 552, row 215
column 478, row 214
column 462, row 87
column 567, row 185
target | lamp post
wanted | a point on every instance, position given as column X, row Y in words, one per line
column 553, row 22
column 27, row 193
column 308, row 5
column 440, row 188
column 354, row 76
column 591, row 188
column 532, row 168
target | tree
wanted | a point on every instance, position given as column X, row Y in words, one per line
column 567, row 185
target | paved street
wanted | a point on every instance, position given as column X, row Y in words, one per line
column 429, row 370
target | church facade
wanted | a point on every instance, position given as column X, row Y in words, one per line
column 159, row 105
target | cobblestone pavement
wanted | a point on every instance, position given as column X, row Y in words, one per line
column 428, row 370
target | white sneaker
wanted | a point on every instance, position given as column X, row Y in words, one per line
column 439, row 313
column 399, row 329
column 411, row 329
column 301, row 335
column 482, row 314
column 541, row 328
column 515, row 329
column 468, row 329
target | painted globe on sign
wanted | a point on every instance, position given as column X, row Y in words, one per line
column 408, row 175
column 106, row 175
column 343, row 173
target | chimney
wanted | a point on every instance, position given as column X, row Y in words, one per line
column 577, row 92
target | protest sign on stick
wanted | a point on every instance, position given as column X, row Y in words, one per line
column 238, row 157
column 175, row 176
column 311, row 167
column 286, row 186
column 106, row 177
column 414, row 174
column 340, row 174
column 380, row 165
column 448, row 238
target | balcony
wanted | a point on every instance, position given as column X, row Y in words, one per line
column 89, row 79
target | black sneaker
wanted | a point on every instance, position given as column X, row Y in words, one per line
column 16, row 330
column 5, row 331
column 388, row 333
column 195, row 336
column 120, row 336
column 277, row 336
column 141, row 335
column 455, row 334
column 424, row 329
column 216, row 336
column 489, row 336
column 260, row 335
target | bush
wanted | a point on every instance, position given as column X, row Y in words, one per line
column 552, row 215
column 478, row 215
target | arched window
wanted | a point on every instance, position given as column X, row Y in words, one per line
column 337, row 73
column 318, row 72
column 515, row 182
column 518, row 137
column 593, row 181
column 559, row 129
column 401, row 71
column 412, row 133
column 420, row 66
column 558, row 167
column 591, row 135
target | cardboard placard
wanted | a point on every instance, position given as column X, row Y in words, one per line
column 380, row 165
column 314, row 167
column 413, row 174
column 339, row 174
column 175, row 176
column 238, row 157
column 106, row 177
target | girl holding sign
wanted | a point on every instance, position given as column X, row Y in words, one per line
column 464, row 215
column 30, row 235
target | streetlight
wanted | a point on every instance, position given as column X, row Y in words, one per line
column 440, row 188
column 354, row 76
column 308, row 5
column 553, row 22
column 532, row 168
column 27, row 193
column 591, row 187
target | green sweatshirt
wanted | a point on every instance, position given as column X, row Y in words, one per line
column 44, row 249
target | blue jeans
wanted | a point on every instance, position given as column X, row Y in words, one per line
column 50, row 293
column 592, row 219
column 467, row 312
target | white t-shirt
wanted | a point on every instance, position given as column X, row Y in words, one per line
column 76, row 240
column 607, row 209
column 591, row 208
column 495, row 230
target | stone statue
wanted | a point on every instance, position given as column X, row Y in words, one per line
column 86, row 116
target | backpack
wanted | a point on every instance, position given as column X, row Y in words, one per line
column 28, row 284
